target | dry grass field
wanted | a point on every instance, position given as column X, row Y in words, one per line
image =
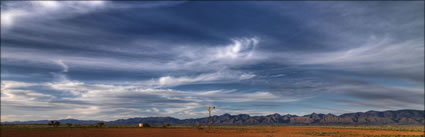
column 222, row 131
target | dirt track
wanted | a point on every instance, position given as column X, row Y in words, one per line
column 190, row 132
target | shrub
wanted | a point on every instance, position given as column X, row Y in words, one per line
column 146, row 125
column 54, row 123
column 57, row 123
column 165, row 125
column 100, row 124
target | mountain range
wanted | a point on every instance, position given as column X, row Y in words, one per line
column 398, row 117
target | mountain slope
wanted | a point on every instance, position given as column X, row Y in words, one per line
column 399, row 117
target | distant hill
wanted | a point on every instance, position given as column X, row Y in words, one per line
column 399, row 117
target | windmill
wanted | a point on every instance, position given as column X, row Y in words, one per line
column 209, row 112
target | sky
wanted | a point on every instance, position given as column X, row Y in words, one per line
column 106, row 60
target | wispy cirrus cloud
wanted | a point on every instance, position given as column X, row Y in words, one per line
column 378, row 56
column 18, row 11
column 93, row 100
column 237, row 52
column 109, row 60
column 217, row 77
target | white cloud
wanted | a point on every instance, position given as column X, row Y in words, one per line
column 15, row 12
column 205, row 78
column 155, row 109
column 7, row 17
column 375, row 52
column 246, row 76
column 11, row 91
column 63, row 65
column 240, row 48
column 98, row 100
column 68, row 86
column 49, row 4
column 241, row 51
column 6, row 84
column 377, row 56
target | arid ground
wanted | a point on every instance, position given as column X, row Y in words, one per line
column 252, row 131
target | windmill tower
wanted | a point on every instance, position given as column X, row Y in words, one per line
column 209, row 112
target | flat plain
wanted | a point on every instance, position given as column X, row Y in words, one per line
column 217, row 131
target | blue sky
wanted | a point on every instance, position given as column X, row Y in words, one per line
column 107, row 60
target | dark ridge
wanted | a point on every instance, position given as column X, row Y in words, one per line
column 399, row 117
